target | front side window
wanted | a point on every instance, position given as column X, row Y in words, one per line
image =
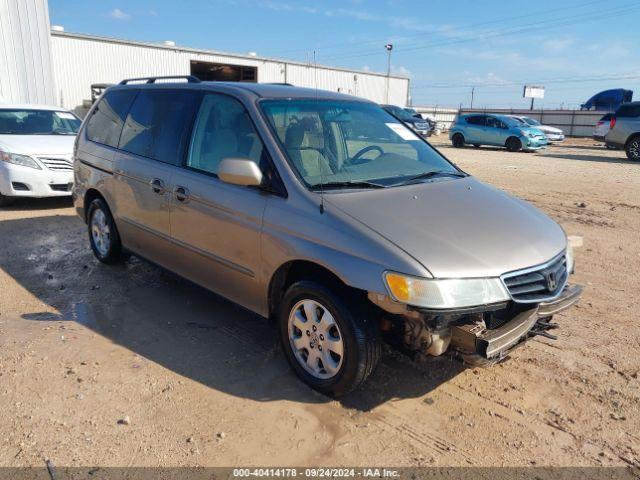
column 158, row 124
column 341, row 143
column 223, row 129
column 105, row 124
column 37, row 122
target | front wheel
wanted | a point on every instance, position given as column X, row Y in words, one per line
column 633, row 149
column 330, row 344
column 457, row 140
column 513, row 144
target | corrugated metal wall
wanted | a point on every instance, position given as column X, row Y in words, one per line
column 25, row 54
column 81, row 60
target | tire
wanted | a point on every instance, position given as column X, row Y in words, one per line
column 513, row 144
column 103, row 234
column 6, row 201
column 356, row 344
column 457, row 140
column 632, row 149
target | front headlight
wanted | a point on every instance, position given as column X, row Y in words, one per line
column 18, row 159
column 570, row 258
column 445, row 293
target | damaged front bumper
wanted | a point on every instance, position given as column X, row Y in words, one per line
column 480, row 335
column 479, row 345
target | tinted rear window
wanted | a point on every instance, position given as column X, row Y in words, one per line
column 476, row 120
column 607, row 117
column 105, row 124
column 628, row 111
column 158, row 124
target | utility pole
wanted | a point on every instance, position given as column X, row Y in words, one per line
column 532, row 103
column 473, row 91
column 389, row 47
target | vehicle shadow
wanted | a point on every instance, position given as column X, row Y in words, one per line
column 176, row 324
column 24, row 204
column 588, row 158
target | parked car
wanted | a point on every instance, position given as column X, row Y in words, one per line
column 418, row 124
column 497, row 130
column 259, row 193
column 624, row 130
column 602, row 127
column 553, row 134
column 36, row 143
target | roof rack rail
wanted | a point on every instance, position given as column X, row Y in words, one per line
column 188, row 78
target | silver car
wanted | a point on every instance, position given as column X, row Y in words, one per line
column 323, row 212
column 624, row 132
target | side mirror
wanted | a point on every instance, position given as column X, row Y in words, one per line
column 240, row 171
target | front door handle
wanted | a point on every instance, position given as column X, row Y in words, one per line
column 158, row 186
column 181, row 194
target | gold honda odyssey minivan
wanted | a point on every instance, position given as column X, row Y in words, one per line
column 323, row 212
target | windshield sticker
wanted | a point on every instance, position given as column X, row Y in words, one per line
column 65, row 115
column 402, row 131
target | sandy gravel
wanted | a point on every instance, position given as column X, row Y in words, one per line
column 195, row 380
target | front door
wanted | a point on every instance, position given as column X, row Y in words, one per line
column 496, row 131
column 217, row 226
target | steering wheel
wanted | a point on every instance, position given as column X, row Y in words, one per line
column 365, row 150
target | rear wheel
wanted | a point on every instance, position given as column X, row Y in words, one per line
column 513, row 144
column 103, row 234
column 329, row 343
column 457, row 140
column 633, row 149
column 6, row 201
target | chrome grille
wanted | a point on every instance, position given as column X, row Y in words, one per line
column 538, row 284
column 57, row 164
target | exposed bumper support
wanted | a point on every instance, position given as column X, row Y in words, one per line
column 479, row 345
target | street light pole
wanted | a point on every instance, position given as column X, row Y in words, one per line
column 389, row 47
column 473, row 91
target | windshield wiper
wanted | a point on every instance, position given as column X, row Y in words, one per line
column 346, row 184
column 435, row 173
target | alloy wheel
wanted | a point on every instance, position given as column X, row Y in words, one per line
column 100, row 232
column 315, row 339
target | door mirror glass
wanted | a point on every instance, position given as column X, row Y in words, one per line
column 240, row 171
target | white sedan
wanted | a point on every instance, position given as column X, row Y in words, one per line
column 36, row 145
column 553, row 134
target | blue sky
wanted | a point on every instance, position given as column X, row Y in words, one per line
column 574, row 48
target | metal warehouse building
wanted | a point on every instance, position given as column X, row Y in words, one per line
column 53, row 66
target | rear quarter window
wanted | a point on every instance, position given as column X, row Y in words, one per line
column 107, row 120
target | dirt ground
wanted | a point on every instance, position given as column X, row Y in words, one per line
column 132, row 366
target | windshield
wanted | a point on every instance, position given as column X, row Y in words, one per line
column 37, row 122
column 338, row 142
column 531, row 121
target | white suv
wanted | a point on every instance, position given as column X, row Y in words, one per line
column 36, row 144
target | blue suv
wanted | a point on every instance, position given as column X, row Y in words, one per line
column 496, row 130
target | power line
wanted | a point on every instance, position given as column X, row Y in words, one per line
column 443, row 33
column 526, row 28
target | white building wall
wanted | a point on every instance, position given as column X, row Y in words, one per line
column 81, row 60
column 25, row 55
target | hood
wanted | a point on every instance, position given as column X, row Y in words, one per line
column 547, row 129
column 532, row 130
column 457, row 228
column 38, row 144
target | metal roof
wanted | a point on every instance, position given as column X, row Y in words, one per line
column 160, row 46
